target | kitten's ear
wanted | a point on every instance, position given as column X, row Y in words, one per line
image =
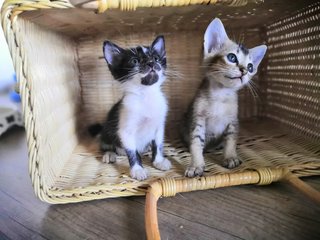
column 159, row 46
column 111, row 51
column 257, row 54
column 214, row 37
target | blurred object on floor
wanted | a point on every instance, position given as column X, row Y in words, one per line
column 10, row 114
column 10, row 107
column 7, row 88
column 6, row 66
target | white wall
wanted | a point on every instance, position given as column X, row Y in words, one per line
column 6, row 67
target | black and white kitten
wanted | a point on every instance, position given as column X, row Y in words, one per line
column 212, row 117
column 138, row 119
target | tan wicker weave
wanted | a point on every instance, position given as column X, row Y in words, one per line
column 65, row 85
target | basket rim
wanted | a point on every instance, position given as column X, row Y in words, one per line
column 16, row 7
column 9, row 13
column 10, row 10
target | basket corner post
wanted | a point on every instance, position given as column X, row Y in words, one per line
column 151, row 219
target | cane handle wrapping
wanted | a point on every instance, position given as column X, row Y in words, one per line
column 168, row 187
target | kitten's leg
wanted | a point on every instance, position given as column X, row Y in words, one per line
column 136, row 169
column 197, row 142
column 158, row 160
column 109, row 155
column 120, row 151
column 231, row 159
column 128, row 142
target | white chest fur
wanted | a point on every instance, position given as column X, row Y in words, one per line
column 141, row 115
column 222, row 109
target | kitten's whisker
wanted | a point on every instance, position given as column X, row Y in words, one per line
column 133, row 71
column 131, row 49
column 174, row 67
column 253, row 91
column 171, row 70
column 219, row 71
column 233, row 35
column 220, row 65
column 172, row 76
column 253, row 88
column 126, row 76
column 174, row 73
column 241, row 38
column 122, row 35
column 130, row 69
column 253, row 84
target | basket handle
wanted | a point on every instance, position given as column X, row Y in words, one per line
column 169, row 187
column 131, row 5
column 304, row 188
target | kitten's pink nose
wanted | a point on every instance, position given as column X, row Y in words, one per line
column 243, row 71
column 150, row 64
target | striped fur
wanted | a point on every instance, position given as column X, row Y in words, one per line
column 212, row 117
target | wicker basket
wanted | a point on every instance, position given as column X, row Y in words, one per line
column 65, row 85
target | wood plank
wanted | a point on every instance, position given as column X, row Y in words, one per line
column 3, row 236
column 248, row 212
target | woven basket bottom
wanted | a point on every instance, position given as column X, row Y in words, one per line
column 261, row 144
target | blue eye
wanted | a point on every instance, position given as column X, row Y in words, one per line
column 250, row 67
column 134, row 61
column 156, row 58
column 232, row 58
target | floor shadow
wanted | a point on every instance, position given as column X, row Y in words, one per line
column 119, row 218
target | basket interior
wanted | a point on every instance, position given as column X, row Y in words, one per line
column 280, row 127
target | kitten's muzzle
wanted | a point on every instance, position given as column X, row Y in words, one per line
column 243, row 70
column 151, row 78
column 151, row 71
column 153, row 66
column 235, row 78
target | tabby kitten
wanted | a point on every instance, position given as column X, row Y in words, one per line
column 138, row 119
column 212, row 116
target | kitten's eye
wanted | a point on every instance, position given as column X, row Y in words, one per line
column 250, row 67
column 232, row 58
column 134, row 61
column 156, row 58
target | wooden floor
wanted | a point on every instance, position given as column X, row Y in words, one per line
column 246, row 212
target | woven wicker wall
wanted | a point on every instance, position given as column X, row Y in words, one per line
column 58, row 59
column 183, row 28
column 293, row 71
column 184, row 54
column 51, row 64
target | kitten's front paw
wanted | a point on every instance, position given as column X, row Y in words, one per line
column 138, row 172
column 193, row 171
column 231, row 162
column 109, row 157
column 163, row 165
column 121, row 151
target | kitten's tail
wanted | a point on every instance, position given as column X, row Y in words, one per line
column 95, row 129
